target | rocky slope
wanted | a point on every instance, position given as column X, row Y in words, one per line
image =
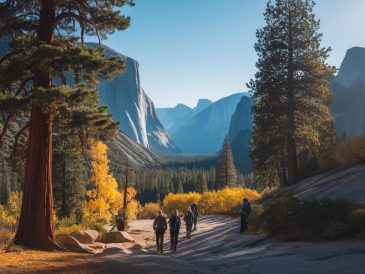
column 240, row 134
column 347, row 184
column 205, row 131
column 135, row 111
column 123, row 149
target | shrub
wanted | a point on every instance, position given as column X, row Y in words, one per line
column 255, row 219
column 6, row 237
column 149, row 211
column 180, row 201
column 311, row 220
column 225, row 201
column 357, row 220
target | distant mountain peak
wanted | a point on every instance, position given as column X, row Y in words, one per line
column 182, row 106
column 352, row 70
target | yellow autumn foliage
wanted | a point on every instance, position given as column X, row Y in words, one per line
column 224, row 201
column 9, row 214
column 346, row 153
column 149, row 211
column 104, row 200
column 133, row 206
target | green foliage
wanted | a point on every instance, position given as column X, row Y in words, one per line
column 48, row 67
column 326, row 219
column 226, row 173
column 292, row 122
column 201, row 184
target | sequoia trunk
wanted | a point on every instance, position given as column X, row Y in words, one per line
column 36, row 224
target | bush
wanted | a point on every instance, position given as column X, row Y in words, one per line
column 357, row 220
column 255, row 219
column 225, row 201
column 312, row 220
column 6, row 238
column 149, row 211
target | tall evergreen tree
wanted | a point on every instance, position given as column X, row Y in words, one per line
column 226, row 173
column 46, row 42
column 201, row 184
column 292, row 120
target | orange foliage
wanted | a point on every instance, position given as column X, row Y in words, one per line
column 224, row 201
column 104, row 200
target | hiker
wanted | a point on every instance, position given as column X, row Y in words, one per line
column 160, row 227
column 189, row 220
column 174, row 222
column 194, row 209
column 245, row 213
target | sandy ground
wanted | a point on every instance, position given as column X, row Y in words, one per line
column 216, row 247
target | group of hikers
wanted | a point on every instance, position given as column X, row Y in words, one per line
column 190, row 219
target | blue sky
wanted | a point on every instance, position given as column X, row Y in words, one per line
column 191, row 49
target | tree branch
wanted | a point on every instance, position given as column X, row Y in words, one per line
column 19, row 133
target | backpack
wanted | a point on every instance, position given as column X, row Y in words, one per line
column 194, row 209
column 189, row 218
column 160, row 223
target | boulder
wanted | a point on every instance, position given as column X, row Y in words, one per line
column 116, row 237
column 85, row 237
column 71, row 243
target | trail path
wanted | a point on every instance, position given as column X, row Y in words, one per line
column 217, row 247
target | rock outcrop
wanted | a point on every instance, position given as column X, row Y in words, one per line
column 135, row 111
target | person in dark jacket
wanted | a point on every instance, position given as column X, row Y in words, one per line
column 245, row 213
column 174, row 222
column 194, row 209
column 189, row 220
column 160, row 227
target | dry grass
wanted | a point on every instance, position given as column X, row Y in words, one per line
column 31, row 261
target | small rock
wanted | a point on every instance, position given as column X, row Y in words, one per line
column 136, row 247
column 116, row 237
column 97, row 246
column 112, row 251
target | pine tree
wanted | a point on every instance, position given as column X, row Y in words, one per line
column 47, row 42
column 226, row 173
column 201, row 184
column 292, row 120
column 69, row 176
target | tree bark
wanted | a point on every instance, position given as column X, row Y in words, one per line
column 36, row 224
column 290, row 139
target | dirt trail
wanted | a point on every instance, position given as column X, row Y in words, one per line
column 217, row 247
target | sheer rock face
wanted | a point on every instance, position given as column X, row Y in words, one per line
column 352, row 71
column 135, row 111
column 348, row 87
column 240, row 134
